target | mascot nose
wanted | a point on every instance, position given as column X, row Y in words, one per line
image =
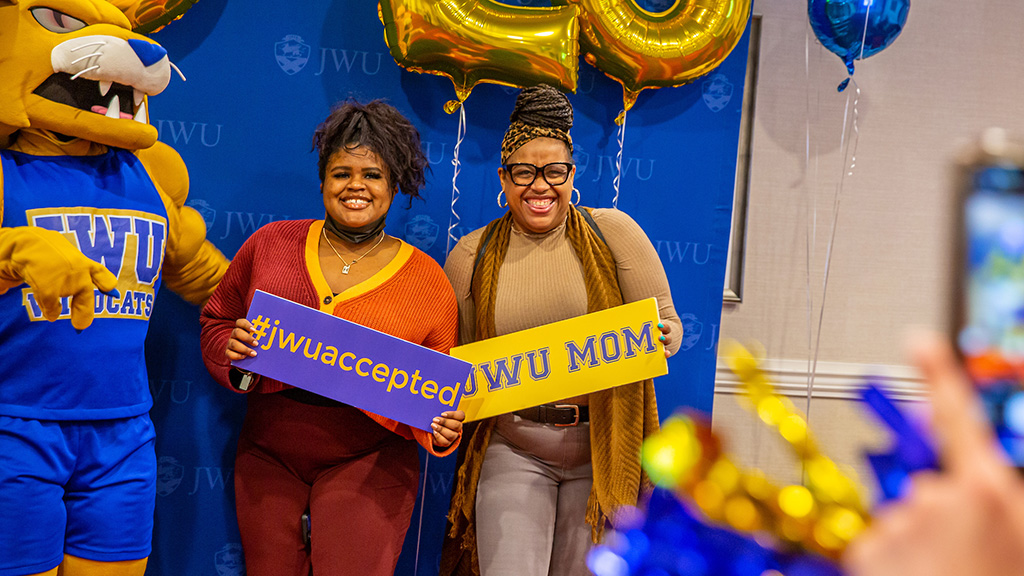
column 147, row 52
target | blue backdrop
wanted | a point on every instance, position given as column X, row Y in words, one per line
column 261, row 76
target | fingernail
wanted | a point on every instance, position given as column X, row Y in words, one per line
column 662, row 338
column 435, row 426
column 114, row 293
column 255, row 342
column 436, row 420
column 660, row 325
column 252, row 353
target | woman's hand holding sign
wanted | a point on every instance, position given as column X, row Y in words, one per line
column 241, row 338
column 665, row 339
column 447, row 427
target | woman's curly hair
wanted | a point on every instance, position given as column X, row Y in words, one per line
column 379, row 127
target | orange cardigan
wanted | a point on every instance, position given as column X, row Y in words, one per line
column 410, row 298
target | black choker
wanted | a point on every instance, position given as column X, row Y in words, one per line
column 355, row 235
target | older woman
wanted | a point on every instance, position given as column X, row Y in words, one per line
column 536, row 487
column 356, row 473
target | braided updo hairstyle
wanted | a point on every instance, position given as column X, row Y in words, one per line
column 541, row 111
column 379, row 127
column 543, row 106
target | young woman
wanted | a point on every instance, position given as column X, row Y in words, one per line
column 355, row 472
column 535, row 488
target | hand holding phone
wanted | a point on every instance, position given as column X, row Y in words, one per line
column 988, row 295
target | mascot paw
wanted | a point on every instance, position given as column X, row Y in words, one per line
column 55, row 269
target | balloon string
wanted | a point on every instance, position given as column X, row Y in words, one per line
column 618, row 161
column 453, row 220
column 864, row 36
column 419, row 529
column 810, row 231
column 844, row 145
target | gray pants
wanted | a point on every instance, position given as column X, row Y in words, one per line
column 531, row 501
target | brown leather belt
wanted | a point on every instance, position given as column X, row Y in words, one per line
column 557, row 414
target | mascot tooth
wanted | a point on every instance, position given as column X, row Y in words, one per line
column 92, row 221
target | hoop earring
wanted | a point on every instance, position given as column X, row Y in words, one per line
column 501, row 196
column 578, row 196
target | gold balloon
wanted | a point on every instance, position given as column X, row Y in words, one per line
column 472, row 41
column 148, row 16
column 642, row 49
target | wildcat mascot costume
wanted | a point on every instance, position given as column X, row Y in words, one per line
column 92, row 219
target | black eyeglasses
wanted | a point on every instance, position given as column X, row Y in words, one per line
column 555, row 173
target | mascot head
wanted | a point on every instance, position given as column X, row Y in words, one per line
column 74, row 69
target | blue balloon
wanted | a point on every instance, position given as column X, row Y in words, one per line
column 857, row 29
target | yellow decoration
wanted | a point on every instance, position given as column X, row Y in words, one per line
column 822, row 516
column 674, row 452
column 842, row 513
column 148, row 16
column 642, row 49
column 796, row 501
column 708, row 495
column 741, row 514
column 473, row 41
column 563, row 359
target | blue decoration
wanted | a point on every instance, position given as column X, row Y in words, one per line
column 674, row 539
column 911, row 452
column 857, row 29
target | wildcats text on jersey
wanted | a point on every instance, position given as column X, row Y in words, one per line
column 129, row 243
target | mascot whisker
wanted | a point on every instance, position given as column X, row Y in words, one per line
column 92, row 222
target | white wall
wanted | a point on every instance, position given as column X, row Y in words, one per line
column 957, row 68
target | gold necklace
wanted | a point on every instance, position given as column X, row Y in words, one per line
column 347, row 264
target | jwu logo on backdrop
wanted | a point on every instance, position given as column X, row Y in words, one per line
column 717, row 91
column 234, row 223
column 229, row 560
column 681, row 252
column 174, row 391
column 603, row 166
column 170, row 474
column 439, row 482
column 436, row 152
column 292, row 54
column 179, row 133
column 693, row 331
column 422, row 231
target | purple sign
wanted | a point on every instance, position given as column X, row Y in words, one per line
column 344, row 361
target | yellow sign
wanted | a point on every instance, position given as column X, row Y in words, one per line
column 564, row 359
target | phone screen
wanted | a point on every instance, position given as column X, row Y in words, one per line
column 991, row 335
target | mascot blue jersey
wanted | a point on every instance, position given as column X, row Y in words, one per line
column 109, row 208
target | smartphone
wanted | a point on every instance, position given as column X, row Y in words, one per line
column 988, row 295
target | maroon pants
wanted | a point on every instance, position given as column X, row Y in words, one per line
column 357, row 480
